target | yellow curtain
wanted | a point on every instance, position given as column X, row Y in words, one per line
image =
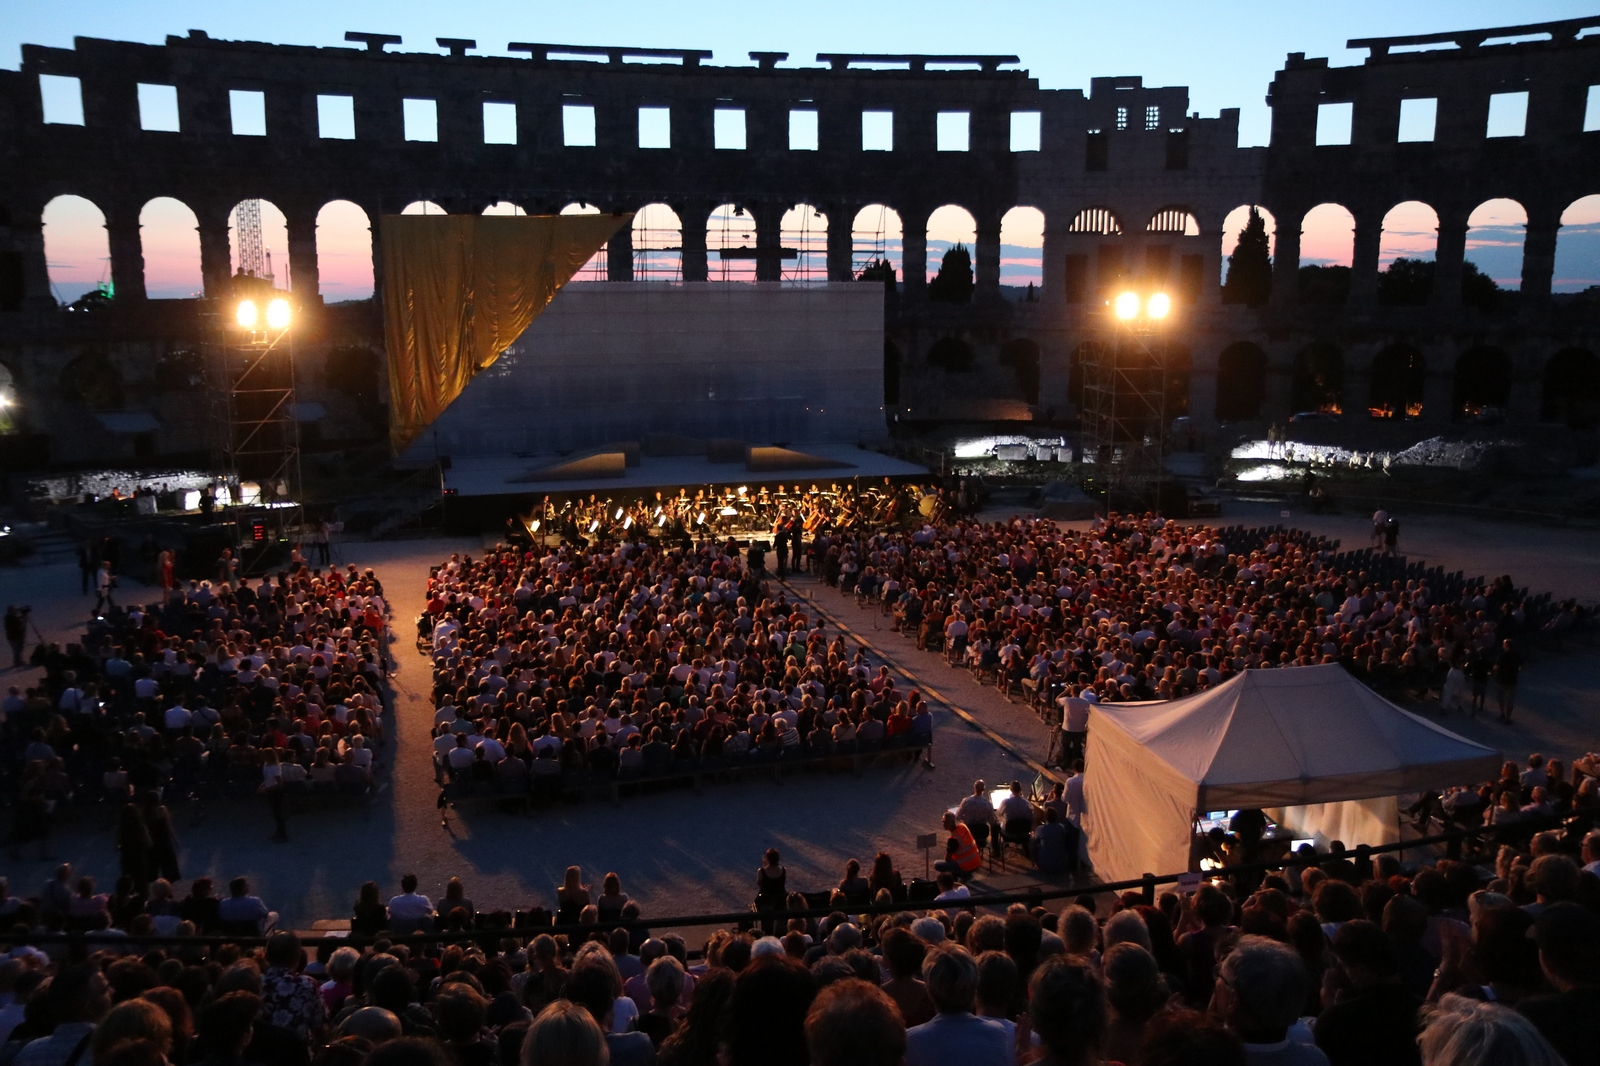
column 458, row 289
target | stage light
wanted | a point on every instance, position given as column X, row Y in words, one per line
column 1158, row 306
column 248, row 314
column 1126, row 306
column 278, row 314
column 5, row 401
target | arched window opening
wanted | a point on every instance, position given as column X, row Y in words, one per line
column 1495, row 232
column 1318, row 383
column 595, row 269
column 657, row 244
column 344, row 252
column 875, row 238
column 169, row 237
column 950, row 227
column 804, row 229
column 423, row 207
column 1248, row 234
column 1175, row 220
column 1241, row 382
column 77, row 251
column 504, row 207
column 1406, row 250
column 1572, row 389
column 1022, row 253
column 952, row 355
column 1482, row 387
column 258, row 240
column 1399, row 380
column 1022, row 356
column 731, row 228
column 1327, row 248
column 1578, row 247
column 1101, row 220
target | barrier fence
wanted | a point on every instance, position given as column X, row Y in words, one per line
column 521, row 928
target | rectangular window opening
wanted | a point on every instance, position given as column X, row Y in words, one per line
column 953, row 131
column 1591, row 110
column 336, row 118
column 62, row 97
column 1508, row 115
column 1025, row 131
column 1152, row 117
column 1334, row 122
column 1122, row 118
column 158, row 108
column 1418, row 119
column 248, row 110
column 499, row 122
column 577, row 125
column 802, row 130
column 1177, row 150
column 655, row 127
column 877, row 131
column 727, row 128
column 421, row 119
column 1098, row 151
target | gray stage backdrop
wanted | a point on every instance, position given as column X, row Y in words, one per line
column 611, row 361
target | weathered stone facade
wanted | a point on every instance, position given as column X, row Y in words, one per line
column 1130, row 184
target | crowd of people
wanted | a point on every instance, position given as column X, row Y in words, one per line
column 1139, row 608
column 272, row 684
column 1326, row 963
column 636, row 659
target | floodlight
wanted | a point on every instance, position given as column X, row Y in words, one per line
column 1126, row 306
column 5, row 401
column 278, row 314
column 248, row 314
column 1158, row 306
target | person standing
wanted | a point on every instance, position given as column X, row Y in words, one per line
column 324, row 540
column 272, row 788
column 164, row 571
column 104, row 582
column 16, row 633
column 163, row 838
column 133, row 846
column 85, row 567
column 1507, row 666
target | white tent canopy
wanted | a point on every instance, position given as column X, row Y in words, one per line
column 1279, row 738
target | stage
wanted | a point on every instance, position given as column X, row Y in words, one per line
column 499, row 475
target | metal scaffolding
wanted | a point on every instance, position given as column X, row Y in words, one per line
column 1125, row 415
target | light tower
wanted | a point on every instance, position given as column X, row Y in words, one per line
column 263, row 435
column 1125, row 400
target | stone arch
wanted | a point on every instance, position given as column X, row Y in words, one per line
column 1572, row 389
column 1318, row 381
column 1241, row 382
column 423, row 207
column 730, row 226
column 1022, row 247
column 1482, row 382
column 1327, row 250
column 949, row 226
column 1176, row 220
column 1410, row 231
column 1399, row 383
column 274, row 244
column 657, row 244
column 1233, row 225
column 77, row 248
column 504, row 207
column 1098, row 220
column 595, row 268
column 1495, row 232
column 805, row 229
column 169, row 238
column 92, row 379
column 344, row 252
column 1022, row 355
column 951, row 354
column 1578, row 246
column 875, row 236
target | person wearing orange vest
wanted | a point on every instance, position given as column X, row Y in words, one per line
column 961, row 855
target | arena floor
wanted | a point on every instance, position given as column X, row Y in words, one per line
column 678, row 853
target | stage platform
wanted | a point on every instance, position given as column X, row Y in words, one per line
column 499, row 475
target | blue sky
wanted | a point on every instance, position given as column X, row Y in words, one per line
column 1225, row 51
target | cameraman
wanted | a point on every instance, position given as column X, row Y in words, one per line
column 17, row 632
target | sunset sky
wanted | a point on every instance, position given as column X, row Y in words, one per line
column 1226, row 52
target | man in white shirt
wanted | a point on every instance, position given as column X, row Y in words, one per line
column 1075, row 804
column 1074, row 725
column 410, row 910
column 949, row 889
column 976, row 808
